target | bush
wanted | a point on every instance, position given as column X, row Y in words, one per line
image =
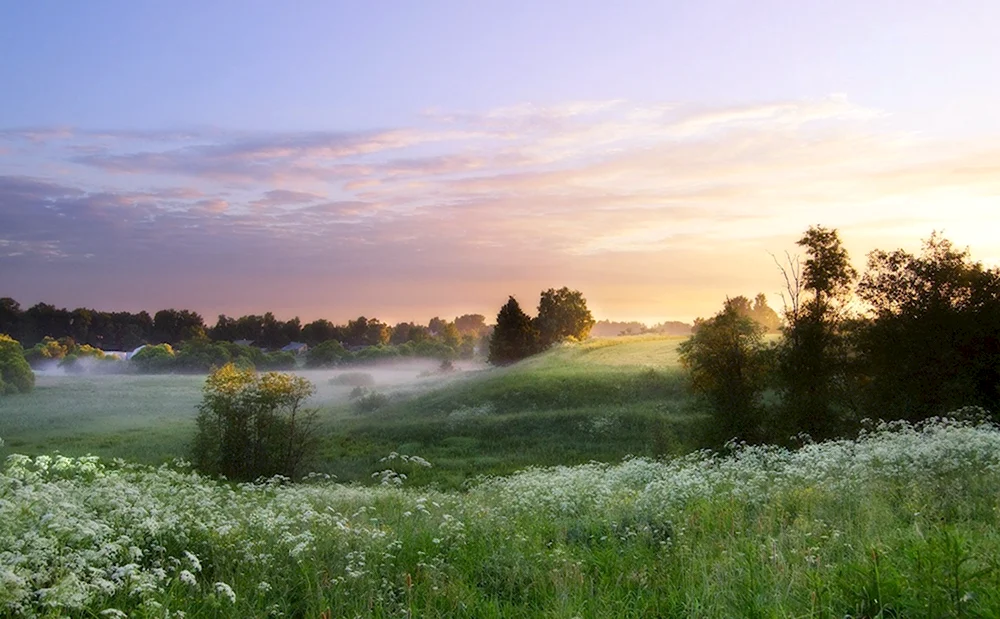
column 253, row 425
column 369, row 401
column 15, row 373
column 353, row 379
column 200, row 355
column 278, row 361
column 151, row 359
column 727, row 363
column 329, row 353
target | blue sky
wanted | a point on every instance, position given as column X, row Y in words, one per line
column 412, row 159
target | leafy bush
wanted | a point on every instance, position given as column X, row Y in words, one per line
column 277, row 361
column 354, row 379
column 370, row 401
column 150, row 359
column 201, row 355
column 327, row 354
column 252, row 425
column 15, row 373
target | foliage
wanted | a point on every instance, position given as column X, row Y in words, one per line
column 933, row 341
column 49, row 349
column 514, row 337
column 562, row 314
column 327, row 354
column 15, row 373
column 200, row 355
column 252, row 425
column 278, row 361
column 151, row 359
column 898, row 523
column 812, row 357
column 369, row 400
column 727, row 363
column 353, row 379
column 174, row 326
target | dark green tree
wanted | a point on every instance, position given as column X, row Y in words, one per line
column 932, row 343
column 562, row 314
column 326, row 354
column 727, row 362
column 813, row 356
column 514, row 337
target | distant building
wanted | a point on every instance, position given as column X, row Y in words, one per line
column 296, row 348
column 243, row 342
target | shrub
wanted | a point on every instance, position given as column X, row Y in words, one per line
column 370, row 401
column 253, row 425
column 159, row 358
column 329, row 353
column 200, row 355
column 354, row 379
column 15, row 373
column 278, row 361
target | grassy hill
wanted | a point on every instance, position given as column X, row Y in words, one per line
column 598, row 400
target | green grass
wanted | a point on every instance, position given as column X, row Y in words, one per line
column 148, row 419
column 598, row 400
column 901, row 523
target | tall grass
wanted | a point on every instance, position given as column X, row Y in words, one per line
column 901, row 522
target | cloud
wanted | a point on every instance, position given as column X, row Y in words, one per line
column 595, row 192
column 285, row 197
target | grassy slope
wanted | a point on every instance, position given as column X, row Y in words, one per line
column 599, row 400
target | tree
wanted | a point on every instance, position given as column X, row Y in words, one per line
column 727, row 363
column 562, row 314
column 514, row 337
column 327, row 354
column 253, row 425
column 15, row 373
column 932, row 343
column 174, row 326
column 471, row 324
column 763, row 315
column 153, row 359
column 436, row 325
column 813, row 354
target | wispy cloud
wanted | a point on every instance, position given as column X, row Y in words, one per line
column 520, row 194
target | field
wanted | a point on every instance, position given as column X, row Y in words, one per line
column 901, row 522
column 600, row 400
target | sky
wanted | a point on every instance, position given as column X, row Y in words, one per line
column 415, row 159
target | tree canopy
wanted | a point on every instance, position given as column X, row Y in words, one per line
column 15, row 373
column 514, row 337
column 562, row 314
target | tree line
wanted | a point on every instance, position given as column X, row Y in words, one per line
column 914, row 336
column 126, row 331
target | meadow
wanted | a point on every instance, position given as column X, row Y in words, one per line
column 598, row 400
column 569, row 485
column 901, row 522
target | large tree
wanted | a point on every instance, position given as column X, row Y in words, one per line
column 514, row 337
column 726, row 360
column 813, row 354
column 562, row 314
column 932, row 343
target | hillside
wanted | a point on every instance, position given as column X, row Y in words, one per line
column 598, row 400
